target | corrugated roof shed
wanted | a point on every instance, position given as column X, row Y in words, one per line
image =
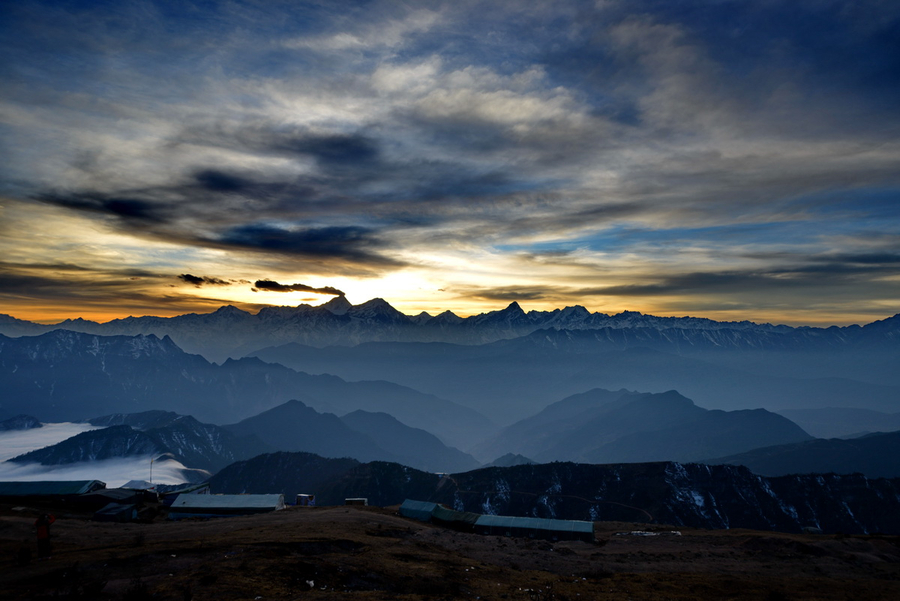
column 417, row 510
column 460, row 520
column 49, row 488
column 188, row 505
column 536, row 527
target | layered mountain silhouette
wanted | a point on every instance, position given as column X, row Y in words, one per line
column 291, row 426
column 874, row 455
column 230, row 332
column 361, row 435
column 154, row 433
column 603, row 426
column 445, row 373
column 722, row 368
column 842, row 422
column 411, row 446
column 70, row 376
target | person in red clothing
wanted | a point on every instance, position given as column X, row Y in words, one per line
column 42, row 524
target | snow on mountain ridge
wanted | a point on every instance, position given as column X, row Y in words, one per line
column 231, row 332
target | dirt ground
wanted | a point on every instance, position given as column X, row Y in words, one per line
column 372, row 553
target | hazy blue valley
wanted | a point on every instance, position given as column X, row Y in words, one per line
column 560, row 403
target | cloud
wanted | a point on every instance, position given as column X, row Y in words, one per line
column 354, row 244
column 655, row 146
column 276, row 287
column 389, row 33
column 101, row 291
column 508, row 294
column 131, row 210
column 216, row 180
column 201, row 280
column 330, row 148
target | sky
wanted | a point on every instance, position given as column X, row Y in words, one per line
column 723, row 159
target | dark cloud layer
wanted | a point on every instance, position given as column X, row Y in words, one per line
column 203, row 280
column 131, row 210
column 356, row 244
column 276, row 287
column 92, row 288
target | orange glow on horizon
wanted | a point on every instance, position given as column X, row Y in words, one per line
column 50, row 314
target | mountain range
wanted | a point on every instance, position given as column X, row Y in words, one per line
column 361, row 435
column 291, row 426
column 509, row 364
column 665, row 492
column 20, row 422
column 510, row 379
column 231, row 332
column 603, row 426
column 70, row 376
column 196, row 445
column 874, row 455
column 449, row 383
column 842, row 422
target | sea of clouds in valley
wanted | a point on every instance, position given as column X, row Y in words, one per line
column 114, row 472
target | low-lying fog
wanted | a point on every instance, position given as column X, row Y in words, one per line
column 114, row 472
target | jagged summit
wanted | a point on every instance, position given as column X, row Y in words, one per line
column 448, row 317
column 339, row 305
column 229, row 311
column 232, row 332
column 378, row 309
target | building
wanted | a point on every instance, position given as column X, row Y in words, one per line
column 498, row 524
column 208, row 506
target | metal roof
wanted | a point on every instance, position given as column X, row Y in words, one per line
column 444, row 514
column 502, row 521
column 49, row 488
column 418, row 510
column 189, row 501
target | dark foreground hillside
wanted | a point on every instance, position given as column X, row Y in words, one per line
column 685, row 494
column 373, row 554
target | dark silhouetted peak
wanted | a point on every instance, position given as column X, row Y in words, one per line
column 673, row 397
column 511, row 315
column 509, row 460
column 21, row 422
column 144, row 420
column 575, row 311
column 378, row 310
column 338, row 305
column 513, row 308
column 378, row 303
column 78, row 321
column 421, row 318
column 294, row 426
column 884, row 325
column 108, row 443
column 448, row 317
column 231, row 312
